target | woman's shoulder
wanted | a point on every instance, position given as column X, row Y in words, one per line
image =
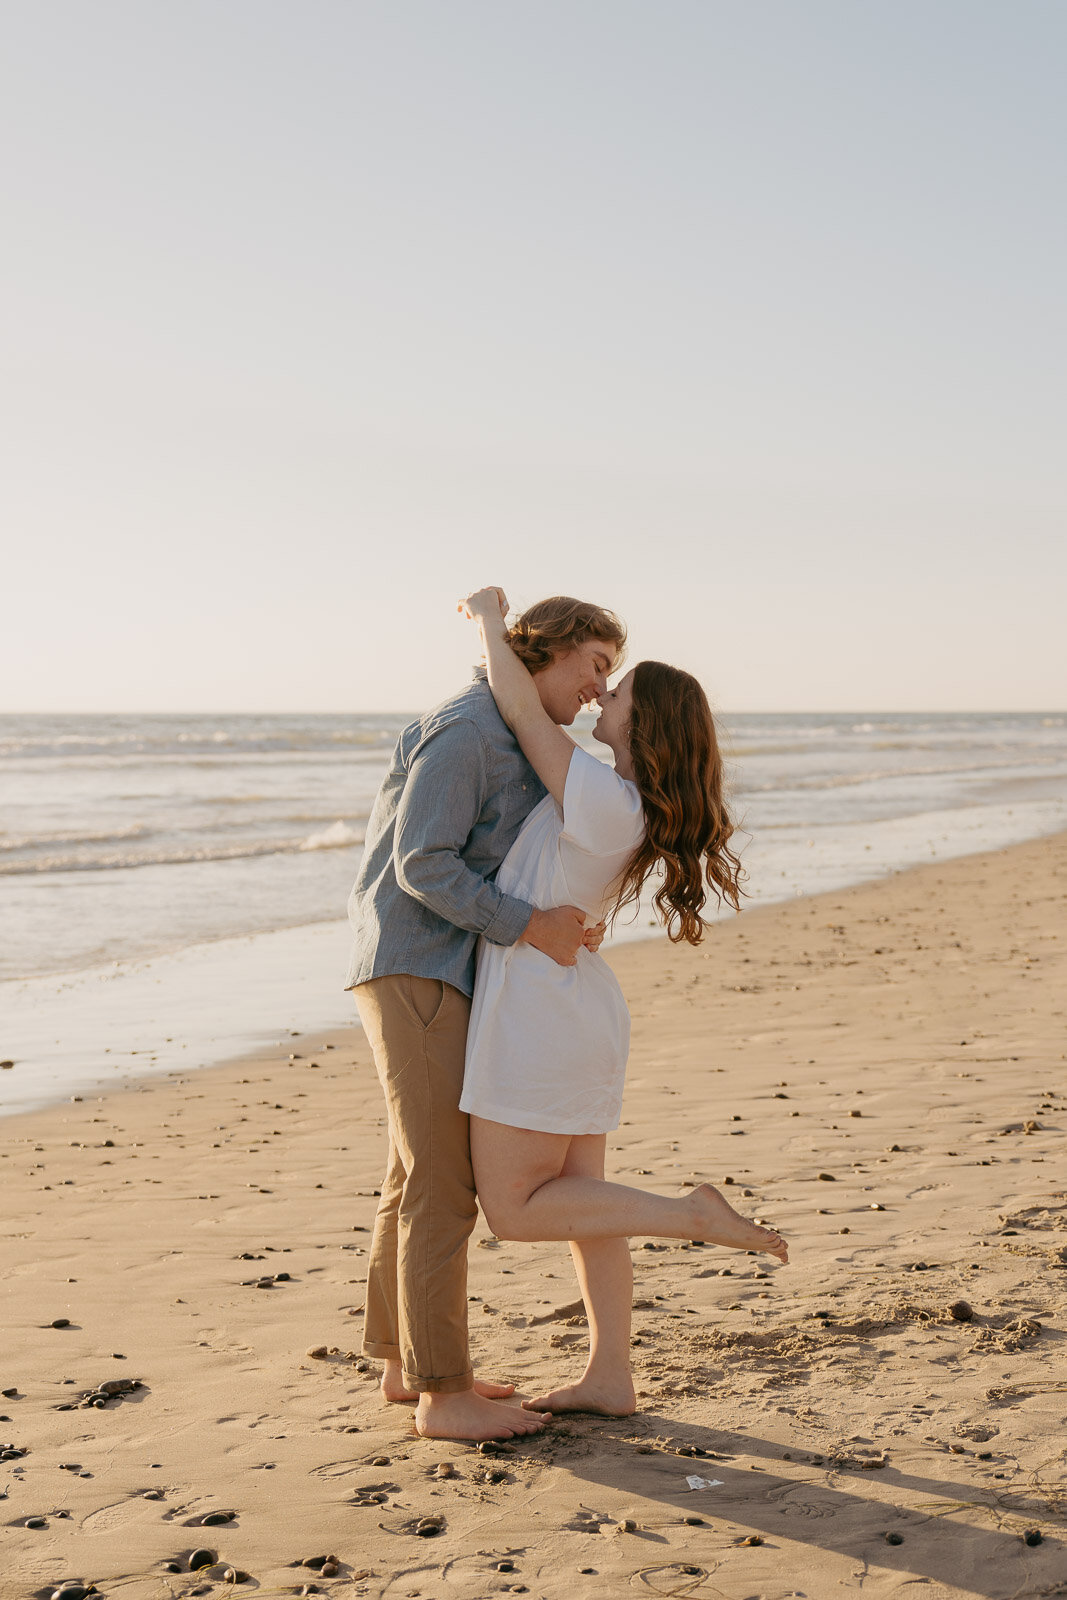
column 601, row 810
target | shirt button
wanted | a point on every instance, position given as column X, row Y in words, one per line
column 524, row 788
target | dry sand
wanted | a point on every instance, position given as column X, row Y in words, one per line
column 888, row 1064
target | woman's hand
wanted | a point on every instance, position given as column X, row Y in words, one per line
column 593, row 937
column 485, row 605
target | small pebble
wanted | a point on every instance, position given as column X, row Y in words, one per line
column 215, row 1519
column 201, row 1558
column 171, row 1566
column 73, row 1591
column 446, row 1469
column 694, row 1522
column 60, row 1322
column 985, row 1455
column 628, row 1525
column 753, row 1538
column 827, row 1177
column 1032, row 1536
column 894, row 1538
column 505, row 1566
column 381, row 1461
column 960, row 1311
column 317, row 1352
column 35, row 1522
column 329, row 1569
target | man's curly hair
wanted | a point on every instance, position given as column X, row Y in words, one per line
column 558, row 624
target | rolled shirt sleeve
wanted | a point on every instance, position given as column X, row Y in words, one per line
column 446, row 789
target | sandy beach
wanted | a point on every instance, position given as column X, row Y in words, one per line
column 877, row 1071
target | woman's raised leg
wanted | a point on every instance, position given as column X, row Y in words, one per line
column 526, row 1193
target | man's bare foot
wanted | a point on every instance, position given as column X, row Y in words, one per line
column 718, row 1223
column 468, row 1415
column 604, row 1399
column 394, row 1388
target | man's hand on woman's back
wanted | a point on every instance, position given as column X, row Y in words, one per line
column 557, row 933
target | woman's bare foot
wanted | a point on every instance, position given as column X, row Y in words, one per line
column 394, row 1388
column 468, row 1415
column 606, row 1399
column 716, row 1222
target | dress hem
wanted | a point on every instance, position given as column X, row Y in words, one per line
column 514, row 1119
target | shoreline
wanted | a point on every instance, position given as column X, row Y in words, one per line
column 74, row 1032
column 878, row 1071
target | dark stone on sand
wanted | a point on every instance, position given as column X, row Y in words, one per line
column 960, row 1311
column 73, row 1591
column 329, row 1569
column 827, row 1177
column 692, row 1572
column 446, row 1469
column 315, row 1562
column 894, row 1538
column 505, row 1566
column 152, row 1494
column 60, row 1322
column 235, row 1575
column 984, row 1455
column 628, row 1525
column 215, row 1519
column 5, row 1065
column 495, row 1447
column 876, row 1205
column 1032, row 1536
column 694, row 1522
column 171, row 1566
column 753, row 1538
column 381, row 1461
column 9, row 1394
column 855, row 1113
column 495, row 1475
column 429, row 1527
column 318, row 1352
column 35, row 1522
column 201, row 1558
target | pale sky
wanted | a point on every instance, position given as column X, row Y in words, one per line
column 744, row 317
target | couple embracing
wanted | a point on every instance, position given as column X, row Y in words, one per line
column 495, row 849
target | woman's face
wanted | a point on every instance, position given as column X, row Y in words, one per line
column 613, row 725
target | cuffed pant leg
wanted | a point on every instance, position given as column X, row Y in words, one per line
column 417, row 1028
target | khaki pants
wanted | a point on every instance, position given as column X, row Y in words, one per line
column 417, row 1275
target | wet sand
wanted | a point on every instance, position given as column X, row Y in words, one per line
column 878, row 1071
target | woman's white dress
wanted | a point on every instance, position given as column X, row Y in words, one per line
column 547, row 1045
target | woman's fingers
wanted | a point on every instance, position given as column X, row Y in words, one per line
column 487, row 601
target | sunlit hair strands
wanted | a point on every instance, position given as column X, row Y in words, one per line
column 678, row 770
column 558, row 624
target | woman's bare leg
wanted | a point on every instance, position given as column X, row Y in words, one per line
column 526, row 1194
column 606, row 1279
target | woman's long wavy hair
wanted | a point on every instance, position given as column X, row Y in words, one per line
column 678, row 769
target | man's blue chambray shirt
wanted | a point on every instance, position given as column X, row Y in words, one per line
column 458, row 790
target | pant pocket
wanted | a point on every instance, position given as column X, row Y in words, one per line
column 426, row 996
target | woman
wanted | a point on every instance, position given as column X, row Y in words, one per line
column 547, row 1045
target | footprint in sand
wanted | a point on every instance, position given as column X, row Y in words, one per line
column 122, row 1514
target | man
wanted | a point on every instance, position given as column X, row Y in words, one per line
column 446, row 815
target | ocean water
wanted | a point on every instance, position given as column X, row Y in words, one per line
column 160, row 869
